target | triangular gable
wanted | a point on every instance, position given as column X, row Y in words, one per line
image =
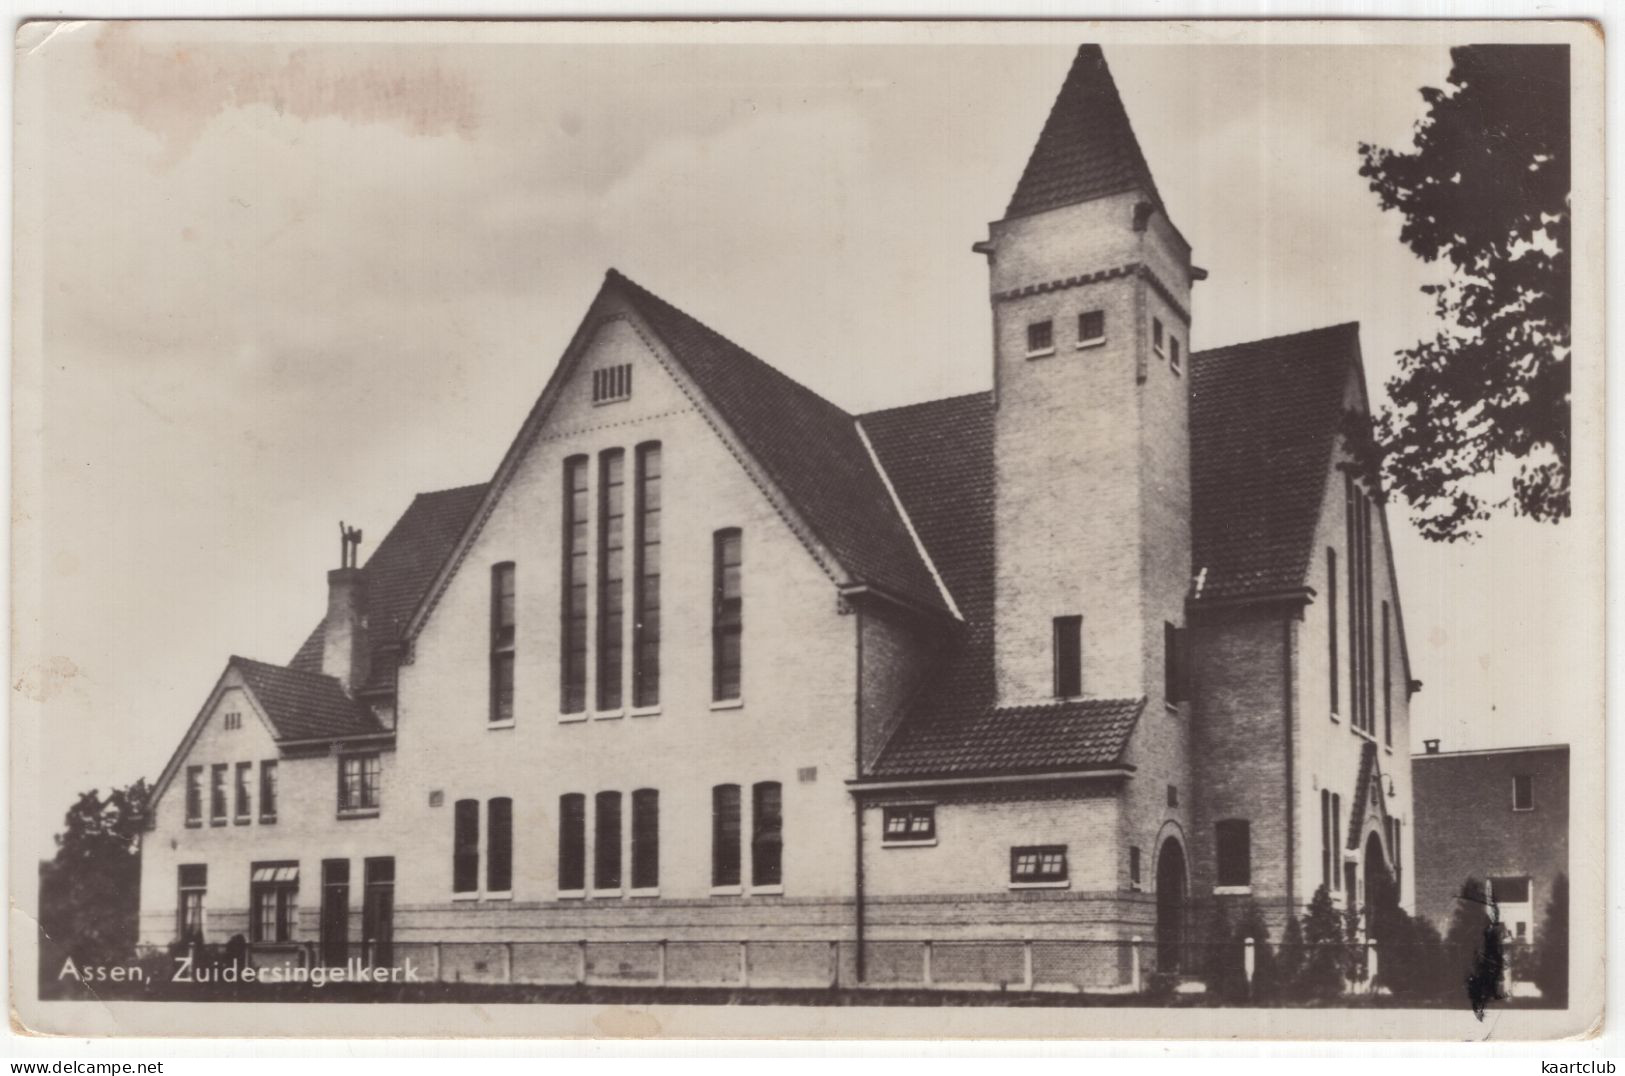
column 841, row 511
column 1370, row 800
column 230, row 678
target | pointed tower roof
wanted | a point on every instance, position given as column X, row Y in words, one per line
column 1087, row 149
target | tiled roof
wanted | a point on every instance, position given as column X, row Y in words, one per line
column 1264, row 420
column 939, row 456
column 809, row 447
column 305, row 705
column 1087, row 149
column 1052, row 737
column 398, row 572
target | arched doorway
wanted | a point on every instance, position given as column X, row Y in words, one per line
column 1170, row 906
column 1377, row 880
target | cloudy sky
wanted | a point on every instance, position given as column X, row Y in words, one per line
column 287, row 283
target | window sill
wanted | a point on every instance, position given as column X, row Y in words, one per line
column 1335, row 719
column 242, row 820
column 767, row 890
column 727, row 890
column 643, row 892
column 612, row 400
column 645, row 711
column 465, row 896
column 505, row 895
column 1041, row 885
column 267, row 819
column 508, row 724
column 1042, row 353
column 1522, row 810
column 1136, row 887
column 1171, row 707
column 1096, row 342
column 217, row 821
column 932, row 843
column 568, row 719
column 195, row 823
column 359, row 812
column 1161, row 353
column 607, row 715
column 571, row 894
column 1232, row 891
column 727, row 704
column 606, row 894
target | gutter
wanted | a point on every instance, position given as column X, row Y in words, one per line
column 862, row 785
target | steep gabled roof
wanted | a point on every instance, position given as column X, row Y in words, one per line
column 1087, row 149
column 1265, row 418
column 809, row 447
column 305, row 705
column 939, row 456
column 398, row 573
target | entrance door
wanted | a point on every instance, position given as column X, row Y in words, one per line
column 1170, row 907
column 335, row 912
column 378, row 912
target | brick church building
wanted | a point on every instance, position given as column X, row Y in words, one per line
column 716, row 682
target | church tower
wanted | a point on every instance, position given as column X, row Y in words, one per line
column 1091, row 287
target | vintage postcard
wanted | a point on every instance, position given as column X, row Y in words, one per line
column 758, row 529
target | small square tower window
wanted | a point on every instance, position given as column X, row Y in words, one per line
column 1091, row 328
column 1040, row 338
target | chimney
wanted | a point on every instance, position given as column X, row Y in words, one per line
column 1430, row 746
column 346, row 655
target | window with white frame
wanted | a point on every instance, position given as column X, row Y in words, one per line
column 909, row 823
column 360, row 782
column 1038, row 864
column 193, row 886
column 274, row 901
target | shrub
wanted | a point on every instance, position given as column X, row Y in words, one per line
column 1551, row 971
column 1326, row 956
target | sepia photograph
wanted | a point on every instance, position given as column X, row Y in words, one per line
column 781, row 529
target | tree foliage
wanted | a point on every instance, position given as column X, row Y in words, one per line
column 1485, row 187
column 89, row 891
column 1552, row 945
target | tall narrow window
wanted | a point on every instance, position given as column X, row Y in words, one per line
column 268, row 790
column 1233, row 841
column 1331, row 626
column 1156, row 335
column 767, row 834
column 1068, row 656
column 244, row 801
column 1523, row 792
column 1337, row 839
column 194, row 795
column 1175, row 674
column 502, row 643
column 465, row 856
column 1387, row 679
column 606, row 833
column 572, row 842
column 646, row 580
column 1326, row 839
column 573, row 673
column 645, row 839
column 217, row 794
column 727, row 616
column 1174, row 361
column 194, row 885
column 499, row 845
column 611, row 575
column 725, row 835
